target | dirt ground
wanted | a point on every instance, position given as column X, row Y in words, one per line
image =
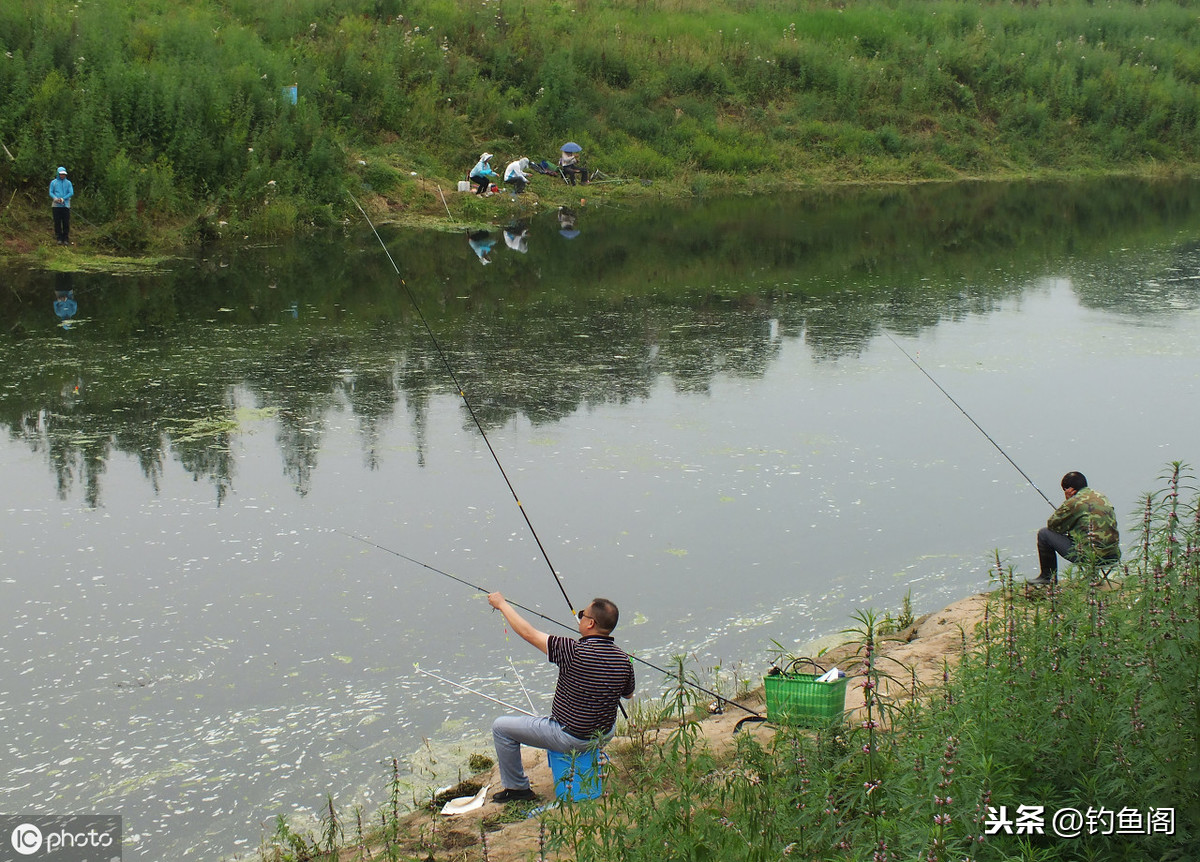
column 924, row 647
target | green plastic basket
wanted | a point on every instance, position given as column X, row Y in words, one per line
column 798, row 699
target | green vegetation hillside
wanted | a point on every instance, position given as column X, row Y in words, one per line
column 172, row 116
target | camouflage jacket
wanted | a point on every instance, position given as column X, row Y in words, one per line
column 1089, row 519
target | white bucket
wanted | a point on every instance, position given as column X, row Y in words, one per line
column 464, row 186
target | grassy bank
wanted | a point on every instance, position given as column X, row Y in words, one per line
column 1068, row 731
column 174, row 121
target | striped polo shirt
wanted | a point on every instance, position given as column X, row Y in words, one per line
column 593, row 675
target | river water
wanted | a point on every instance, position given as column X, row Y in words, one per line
column 706, row 412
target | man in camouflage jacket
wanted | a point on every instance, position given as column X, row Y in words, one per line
column 1082, row 529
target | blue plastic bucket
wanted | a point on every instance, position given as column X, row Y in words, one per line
column 577, row 775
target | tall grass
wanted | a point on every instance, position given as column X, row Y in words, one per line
column 165, row 109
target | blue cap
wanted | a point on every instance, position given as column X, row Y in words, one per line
column 62, row 170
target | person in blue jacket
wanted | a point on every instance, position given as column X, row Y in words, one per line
column 61, row 192
column 482, row 173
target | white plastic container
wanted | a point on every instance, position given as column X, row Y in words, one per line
column 464, row 186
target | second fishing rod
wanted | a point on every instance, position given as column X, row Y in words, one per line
column 972, row 420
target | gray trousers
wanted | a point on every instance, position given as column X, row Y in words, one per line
column 509, row 732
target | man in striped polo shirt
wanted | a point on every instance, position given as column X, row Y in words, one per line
column 593, row 675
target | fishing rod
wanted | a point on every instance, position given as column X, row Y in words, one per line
column 465, row 583
column 477, row 588
column 968, row 415
column 466, row 401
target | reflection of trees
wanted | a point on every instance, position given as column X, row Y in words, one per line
column 415, row 372
column 547, row 363
column 298, row 383
column 181, row 401
column 373, row 394
column 78, row 460
column 162, row 364
column 211, row 460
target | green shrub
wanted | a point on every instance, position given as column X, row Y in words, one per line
column 634, row 159
column 275, row 218
column 380, row 177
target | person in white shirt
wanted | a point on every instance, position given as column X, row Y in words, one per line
column 516, row 176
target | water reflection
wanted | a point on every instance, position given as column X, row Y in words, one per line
column 481, row 242
column 171, row 363
column 567, row 218
column 516, row 236
column 65, row 306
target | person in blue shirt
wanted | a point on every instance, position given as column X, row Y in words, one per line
column 481, row 175
column 61, row 192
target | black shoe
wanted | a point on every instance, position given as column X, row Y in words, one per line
column 1042, row 580
column 508, row 795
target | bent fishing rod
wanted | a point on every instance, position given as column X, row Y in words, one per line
column 541, row 615
column 467, row 402
column 968, row 415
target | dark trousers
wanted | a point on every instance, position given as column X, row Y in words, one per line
column 481, row 184
column 569, row 173
column 1052, row 545
column 1049, row 546
column 62, row 223
column 517, row 183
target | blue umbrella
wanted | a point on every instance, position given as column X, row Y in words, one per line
column 571, row 147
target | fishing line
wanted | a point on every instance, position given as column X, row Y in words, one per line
column 968, row 415
column 473, row 691
column 466, row 401
column 563, row 625
column 520, row 682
